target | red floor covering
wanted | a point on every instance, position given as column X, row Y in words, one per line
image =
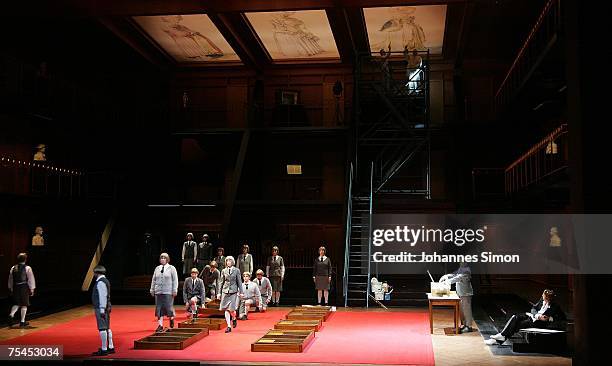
column 400, row 338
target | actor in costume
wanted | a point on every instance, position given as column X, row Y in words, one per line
column 100, row 298
column 545, row 314
column 21, row 285
column 189, row 253
column 463, row 285
column 231, row 286
column 204, row 253
column 321, row 275
column 250, row 296
column 220, row 258
column 164, row 287
column 275, row 271
column 245, row 261
column 210, row 275
column 194, row 293
column 265, row 289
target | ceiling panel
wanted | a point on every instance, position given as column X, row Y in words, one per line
column 188, row 38
column 295, row 35
column 414, row 27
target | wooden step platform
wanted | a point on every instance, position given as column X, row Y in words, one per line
column 315, row 307
column 177, row 338
column 308, row 315
column 313, row 325
column 211, row 309
column 209, row 323
column 277, row 340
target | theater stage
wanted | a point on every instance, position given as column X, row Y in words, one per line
column 348, row 337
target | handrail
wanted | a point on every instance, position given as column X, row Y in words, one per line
column 370, row 235
column 347, row 240
column 543, row 159
column 546, row 140
column 523, row 53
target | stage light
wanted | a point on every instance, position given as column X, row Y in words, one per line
column 199, row 205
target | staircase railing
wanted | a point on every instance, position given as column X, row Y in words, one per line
column 347, row 239
column 370, row 235
column 542, row 160
column 541, row 38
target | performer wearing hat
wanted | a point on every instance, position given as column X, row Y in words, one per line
column 100, row 298
column 265, row 289
column 231, row 286
column 250, row 296
column 220, row 258
column 275, row 271
column 204, row 253
column 190, row 249
column 321, row 275
column 193, row 292
column 210, row 275
column 21, row 285
column 245, row 261
column 164, row 287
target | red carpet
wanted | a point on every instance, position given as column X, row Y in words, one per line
column 400, row 338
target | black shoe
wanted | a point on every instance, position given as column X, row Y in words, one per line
column 465, row 329
column 234, row 323
column 23, row 324
column 100, row 352
column 11, row 321
column 171, row 323
column 228, row 330
column 159, row 329
column 111, row 351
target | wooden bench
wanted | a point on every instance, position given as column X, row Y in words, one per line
column 177, row 338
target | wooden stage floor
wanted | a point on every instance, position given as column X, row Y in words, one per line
column 448, row 349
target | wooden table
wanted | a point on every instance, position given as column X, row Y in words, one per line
column 450, row 300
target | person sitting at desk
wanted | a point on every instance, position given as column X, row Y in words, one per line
column 544, row 314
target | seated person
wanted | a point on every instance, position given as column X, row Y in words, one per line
column 250, row 296
column 193, row 293
column 545, row 314
column 210, row 275
column 265, row 289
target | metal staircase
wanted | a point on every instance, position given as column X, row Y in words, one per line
column 392, row 143
column 393, row 121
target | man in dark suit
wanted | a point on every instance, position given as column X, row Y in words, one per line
column 193, row 292
column 544, row 314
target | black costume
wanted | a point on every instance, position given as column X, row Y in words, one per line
column 520, row 321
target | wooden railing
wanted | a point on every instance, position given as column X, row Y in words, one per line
column 541, row 38
column 544, row 159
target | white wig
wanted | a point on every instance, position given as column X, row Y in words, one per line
column 165, row 255
column 230, row 258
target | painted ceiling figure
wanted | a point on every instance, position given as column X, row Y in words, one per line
column 411, row 37
column 292, row 38
column 193, row 44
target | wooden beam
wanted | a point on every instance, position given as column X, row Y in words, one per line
column 342, row 34
column 121, row 28
column 239, row 35
column 231, row 195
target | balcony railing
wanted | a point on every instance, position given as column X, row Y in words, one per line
column 541, row 38
column 547, row 157
column 34, row 178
